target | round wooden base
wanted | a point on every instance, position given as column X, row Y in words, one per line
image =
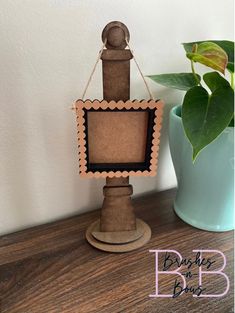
column 118, row 241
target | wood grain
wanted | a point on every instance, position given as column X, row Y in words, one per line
column 117, row 137
column 51, row 268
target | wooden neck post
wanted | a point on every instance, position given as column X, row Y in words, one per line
column 117, row 213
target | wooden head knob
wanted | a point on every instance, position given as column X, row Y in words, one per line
column 116, row 34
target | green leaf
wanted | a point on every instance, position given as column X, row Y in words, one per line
column 206, row 116
column 209, row 54
column 230, row 67
column 182, row 81
column 226, row 45
column 214, row 81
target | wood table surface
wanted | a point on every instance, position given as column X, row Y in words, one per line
column 51, row 268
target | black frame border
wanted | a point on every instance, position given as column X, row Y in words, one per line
column 114, row 167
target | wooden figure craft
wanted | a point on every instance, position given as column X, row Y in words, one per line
column 117, row 138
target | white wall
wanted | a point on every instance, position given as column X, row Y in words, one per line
column 48, row 48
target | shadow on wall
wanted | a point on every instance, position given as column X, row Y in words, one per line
column 96, row 192
column 166, row 175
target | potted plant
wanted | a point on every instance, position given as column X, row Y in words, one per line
column 201, row 136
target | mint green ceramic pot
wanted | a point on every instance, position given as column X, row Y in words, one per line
column 205, row 189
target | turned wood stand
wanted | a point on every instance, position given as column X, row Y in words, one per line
column 117, row 230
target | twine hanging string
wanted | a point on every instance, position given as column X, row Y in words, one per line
column 94, row 68
column 96, row 63
column 142, row 75
column 92, row 72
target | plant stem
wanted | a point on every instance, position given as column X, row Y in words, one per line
column 232, row 80
column 194, row 73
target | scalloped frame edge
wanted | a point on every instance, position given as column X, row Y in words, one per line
column 79, row 107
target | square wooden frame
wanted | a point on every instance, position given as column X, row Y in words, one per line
column 147, row 168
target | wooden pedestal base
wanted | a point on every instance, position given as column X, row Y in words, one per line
column 122, row 241
column 118, row 230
